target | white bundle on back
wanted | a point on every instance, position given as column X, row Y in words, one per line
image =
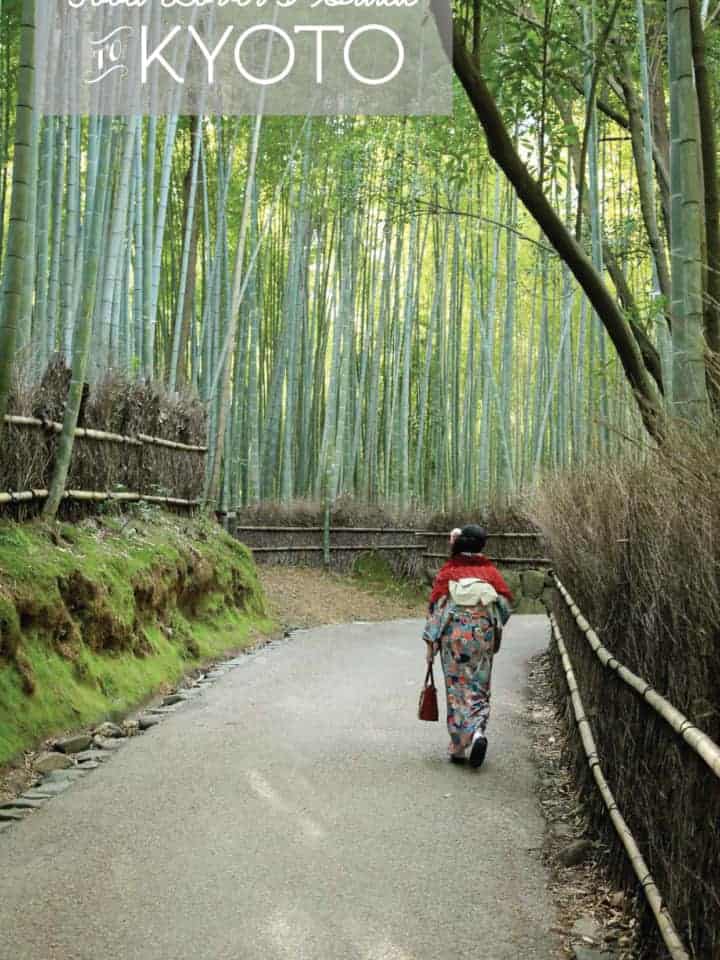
column 472, row 592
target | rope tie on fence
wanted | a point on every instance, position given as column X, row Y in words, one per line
column 697, row 740
column 663, row 919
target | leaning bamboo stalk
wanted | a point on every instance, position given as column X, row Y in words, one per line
column 664, row 920
column 700, row 742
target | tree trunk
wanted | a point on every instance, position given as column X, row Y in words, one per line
column 503, row 152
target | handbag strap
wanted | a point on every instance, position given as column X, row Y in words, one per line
column 429, row 676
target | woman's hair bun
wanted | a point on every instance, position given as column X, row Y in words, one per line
column 472, row 539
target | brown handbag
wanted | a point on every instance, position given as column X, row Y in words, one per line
column 428, row 706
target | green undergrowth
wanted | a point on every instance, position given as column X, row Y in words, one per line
column 94, row 617
column 374, row 573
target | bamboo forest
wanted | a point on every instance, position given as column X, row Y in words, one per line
column 410, row 310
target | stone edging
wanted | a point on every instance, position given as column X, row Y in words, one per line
column 71, row 758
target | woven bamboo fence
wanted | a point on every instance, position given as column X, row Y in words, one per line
column 672, row 808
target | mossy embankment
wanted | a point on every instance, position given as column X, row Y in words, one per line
column 96, row 616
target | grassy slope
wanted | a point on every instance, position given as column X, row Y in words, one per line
column 95, row 617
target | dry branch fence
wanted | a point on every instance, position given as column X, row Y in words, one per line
column 106, row 466
column 686, row 893
column 133, row 442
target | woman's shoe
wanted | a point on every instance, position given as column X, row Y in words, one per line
column 457, row 757
column 478, row 750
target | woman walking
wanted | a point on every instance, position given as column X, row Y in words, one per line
column 468, row 606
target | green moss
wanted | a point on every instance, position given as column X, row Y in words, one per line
column 95, row 617
column 373, row 572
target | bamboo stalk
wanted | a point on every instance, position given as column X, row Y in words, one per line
column 664, row 920
column 694, row 737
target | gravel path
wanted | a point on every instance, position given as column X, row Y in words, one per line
column 297, row 810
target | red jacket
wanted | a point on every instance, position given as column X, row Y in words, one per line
column 461, row 566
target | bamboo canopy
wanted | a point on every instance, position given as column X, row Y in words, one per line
column 664, row 920
column 700, row 742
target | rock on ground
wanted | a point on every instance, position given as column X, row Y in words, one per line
column 74, row 744
column 47, row 762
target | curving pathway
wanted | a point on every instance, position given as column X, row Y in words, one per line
column 296, row 810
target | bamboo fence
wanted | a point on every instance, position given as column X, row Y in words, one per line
column 664, row 921
column 136, row 443
column 272, row 540
column 700, row 742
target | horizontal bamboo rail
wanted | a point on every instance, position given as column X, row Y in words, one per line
column 664, row 920
column 490, row 536
column 26, row 496
column 89, row 434
column 699, row 741
column 510, row 561
column 338, row 548
column 410, row 530
column 171, row 444
column 23, row 496
column 244, row 529
column 277, row 529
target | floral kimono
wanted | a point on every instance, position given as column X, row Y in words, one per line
column 465, row 637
